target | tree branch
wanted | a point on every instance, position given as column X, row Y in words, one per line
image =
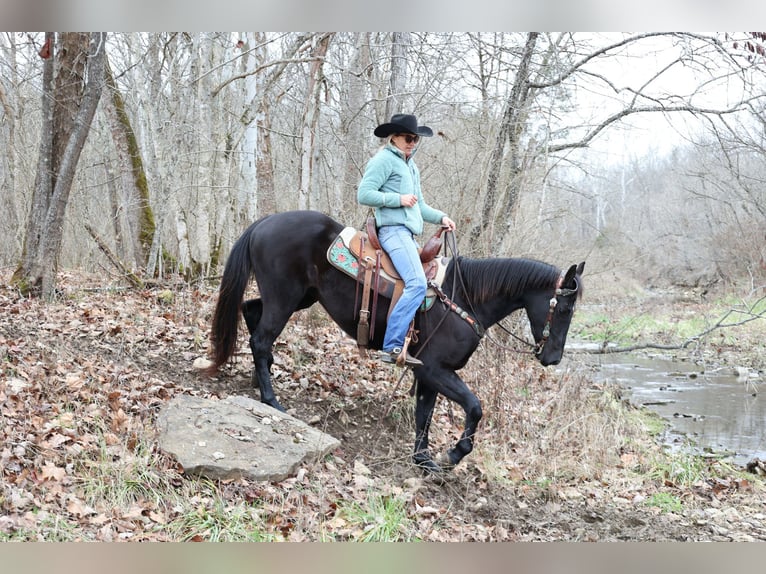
column 588, row 137
column 260, row 68
column 134, row 279
column 749, row 313
column 577, row 65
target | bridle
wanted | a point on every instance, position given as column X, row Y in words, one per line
column 559, row 292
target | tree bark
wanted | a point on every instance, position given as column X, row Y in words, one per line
column 311, row 121
column 9, row 225
column 69, row 104
column 511, row 129
column 353, row 137
column 400, row 44
column 256, row 122
column 133, row 207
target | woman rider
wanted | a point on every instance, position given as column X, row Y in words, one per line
column 391, row 185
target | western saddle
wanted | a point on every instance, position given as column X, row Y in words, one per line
column 372, row 261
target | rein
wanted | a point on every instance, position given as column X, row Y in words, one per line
column 538, row 347
column 480, row 331
column 455, row 308
column 451, row 305
column 512, row 334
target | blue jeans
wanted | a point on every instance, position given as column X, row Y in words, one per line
column 400, row 245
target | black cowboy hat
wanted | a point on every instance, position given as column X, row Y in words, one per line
column 403, row 124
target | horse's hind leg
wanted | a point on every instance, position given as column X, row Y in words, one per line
column 252, row 309
column 263, row 333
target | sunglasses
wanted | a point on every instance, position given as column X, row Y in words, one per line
column 410, row 139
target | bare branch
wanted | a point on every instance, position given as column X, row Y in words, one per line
column 259, row 69
column 585, row 140
column 603, row 51
column 749, row 315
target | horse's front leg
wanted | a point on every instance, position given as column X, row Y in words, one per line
column 424, row 410
column 430, row 383
column 455, row 389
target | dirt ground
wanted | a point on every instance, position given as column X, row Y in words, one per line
column 610, row 507
column 132, row 350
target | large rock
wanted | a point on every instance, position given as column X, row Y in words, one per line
column 237, row 437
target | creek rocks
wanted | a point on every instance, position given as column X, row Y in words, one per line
column 237, row 437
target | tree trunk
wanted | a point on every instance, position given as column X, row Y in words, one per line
column 133, row 207
column 248, row 191
column 9, row 224
column 69, row 104
column 257, row 117
column 353, row 136
column 311, row 121
column 511, row 128
column 400, row 44
column 255, row 189
column 267, row 195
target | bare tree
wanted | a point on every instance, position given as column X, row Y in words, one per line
column 395, row 102
column 509, row 135
column 73, row 78
column 9, row 224
column 311, row 119
column 132, row 211
column 229, row 127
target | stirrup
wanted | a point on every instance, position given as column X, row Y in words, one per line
column 400, row 358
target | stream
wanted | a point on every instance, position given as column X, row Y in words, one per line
column 721, row 412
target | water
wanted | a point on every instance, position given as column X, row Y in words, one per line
column 721, row 412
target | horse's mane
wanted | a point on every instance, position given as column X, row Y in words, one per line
column 485, row 278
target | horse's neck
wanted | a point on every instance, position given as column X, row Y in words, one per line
column 491, row 311
column 498, row 309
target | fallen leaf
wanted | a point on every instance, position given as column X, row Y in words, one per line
column 52, row 472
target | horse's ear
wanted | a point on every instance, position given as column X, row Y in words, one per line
column 569, row 278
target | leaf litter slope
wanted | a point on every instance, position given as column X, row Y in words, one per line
column 557, row 457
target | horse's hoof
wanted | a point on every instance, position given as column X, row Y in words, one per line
column 275, row 405
column 445, row 462
column 426, row 464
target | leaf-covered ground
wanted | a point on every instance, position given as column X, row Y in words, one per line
column 558, row 456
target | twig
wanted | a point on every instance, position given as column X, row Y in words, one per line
column 114, row 260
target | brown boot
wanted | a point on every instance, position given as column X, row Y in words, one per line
column 395, row 356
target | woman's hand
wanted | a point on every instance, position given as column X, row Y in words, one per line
column 448, row 223
column 408, row 200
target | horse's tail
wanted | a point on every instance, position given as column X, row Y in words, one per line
column 225, row 324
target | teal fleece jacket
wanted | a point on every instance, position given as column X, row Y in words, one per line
column 388, row 176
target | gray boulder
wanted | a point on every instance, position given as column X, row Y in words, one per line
column 237, row 437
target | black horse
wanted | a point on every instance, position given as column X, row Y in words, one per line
column 287, row 254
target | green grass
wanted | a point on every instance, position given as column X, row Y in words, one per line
column 629, row 329
column 48, row 527
column 680, row 468
column 650, row 421
column 380, row 519
column 665, row 501
column 220, row 521
column 122, row 476
column 607, row 327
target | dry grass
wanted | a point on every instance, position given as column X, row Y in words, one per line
column 548, row 423
column 108, row 360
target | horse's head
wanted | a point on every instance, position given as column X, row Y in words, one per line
column 550, row 314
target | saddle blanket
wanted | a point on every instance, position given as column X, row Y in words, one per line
column 343, row 254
